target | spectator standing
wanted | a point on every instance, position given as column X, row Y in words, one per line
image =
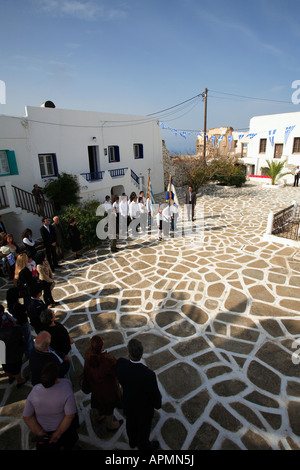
column 141, row 396
column 42, row 354
column 12, row 336
column 60, row 238
column 39, row 199
column 35, row 306
column 99, row 371
column 29, row 243
column 23, row 277
column 60, row 339
column 49, row 238
column 190, row 202
column 75, row 238
column 50, row 411
column 46, row 277
column 19, row 312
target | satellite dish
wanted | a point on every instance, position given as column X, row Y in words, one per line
column 48, row 104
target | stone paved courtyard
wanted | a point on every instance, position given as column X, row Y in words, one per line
column 217, row 311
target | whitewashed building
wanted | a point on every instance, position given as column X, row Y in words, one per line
column 109, row 153
column 273, row 137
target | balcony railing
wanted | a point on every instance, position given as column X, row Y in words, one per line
column 118, row 172
column 286, row 223
column 96, row 176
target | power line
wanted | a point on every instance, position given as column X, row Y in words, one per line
column 250, row 97
column 176, row 105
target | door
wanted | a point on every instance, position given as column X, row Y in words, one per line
column 94, row 161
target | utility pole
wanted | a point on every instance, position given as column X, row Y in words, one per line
column 205, row 121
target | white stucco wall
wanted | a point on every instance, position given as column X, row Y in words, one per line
column 68, row 133
column 261, row 125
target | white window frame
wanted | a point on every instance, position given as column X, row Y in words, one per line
column 44, row 165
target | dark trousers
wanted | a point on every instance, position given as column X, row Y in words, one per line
column 48, row 299
column 51, row 255
column 138, row 427
column 296, row 180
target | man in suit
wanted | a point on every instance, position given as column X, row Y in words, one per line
column 49, row 238
column 141, row 396
column 35, row 306
column 60, row 238
column 190, row 201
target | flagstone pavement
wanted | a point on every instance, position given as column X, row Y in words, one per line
column 218, row 313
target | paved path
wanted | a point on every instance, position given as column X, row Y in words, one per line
column 217, row 311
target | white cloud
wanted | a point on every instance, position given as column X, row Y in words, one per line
column 81, row 9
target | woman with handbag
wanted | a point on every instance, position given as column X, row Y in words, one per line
column 99, row 374
column 46, row 277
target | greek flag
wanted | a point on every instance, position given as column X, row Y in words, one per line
column 149, row 194
column 271, row 136
column 288, row 131
column 171, row 197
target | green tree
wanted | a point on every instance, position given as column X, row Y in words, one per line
column 63, row 190
column 274, row 170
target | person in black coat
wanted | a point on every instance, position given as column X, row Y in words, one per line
column 60, row 339
column 49, row 238
column 42, row 354
column 190, row 202
column 12, row 337
column 141, row 396
column 75, row 237
column 35, row 306
column 19, row 312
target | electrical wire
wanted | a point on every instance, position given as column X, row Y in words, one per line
column 250, row 97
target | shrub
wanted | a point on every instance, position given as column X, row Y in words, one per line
column 86, row 221
column 227, row 172
column 63, row 190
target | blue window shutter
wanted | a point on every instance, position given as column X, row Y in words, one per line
column 117, row 153
column 12, row 162
column 141, row 151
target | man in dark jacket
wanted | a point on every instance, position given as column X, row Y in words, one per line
column 49, row 238
column 34, row 306
column 42, row 354
column 141, row 396
column 190, row 202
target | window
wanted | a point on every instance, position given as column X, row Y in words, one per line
column 296, row 146
column 113, row 153
column 48, row 165
column 8, row 163
column 262, row 145
column 278, row 151
column 138, row 151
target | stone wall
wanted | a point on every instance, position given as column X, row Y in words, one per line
column 178, row 166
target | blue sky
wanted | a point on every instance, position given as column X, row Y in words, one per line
column 141, row 57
